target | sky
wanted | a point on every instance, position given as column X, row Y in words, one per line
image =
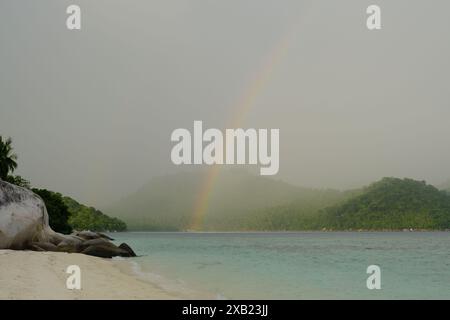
column 91, row 111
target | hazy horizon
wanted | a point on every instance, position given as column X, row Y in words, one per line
column 91, row 111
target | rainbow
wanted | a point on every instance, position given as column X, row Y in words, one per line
column 241, row 109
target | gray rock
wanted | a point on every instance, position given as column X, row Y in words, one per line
column 102, row 235
column 70, row 244
column 88, row 235
column 43, row 246
column 128, row 249
column 35, row 247
column 23, row 217
column 96, row 242
column 104, row 251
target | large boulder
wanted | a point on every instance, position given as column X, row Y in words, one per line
column 23, row 218
column 24, row 225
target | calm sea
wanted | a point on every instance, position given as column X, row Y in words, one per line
column 302, row 265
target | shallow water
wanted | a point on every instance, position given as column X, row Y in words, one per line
column 303, row 265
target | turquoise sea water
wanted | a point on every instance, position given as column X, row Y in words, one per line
column 303, row 265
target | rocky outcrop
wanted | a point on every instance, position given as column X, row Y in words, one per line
column 23, row 218
column 24, row 225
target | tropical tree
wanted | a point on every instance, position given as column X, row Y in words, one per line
column 7, row 158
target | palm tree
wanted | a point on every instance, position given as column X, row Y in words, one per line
column 7, row 158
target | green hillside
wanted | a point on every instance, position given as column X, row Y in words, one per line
column 88, row 218
column 66, row 214
column 237, row 202
column 392, row 204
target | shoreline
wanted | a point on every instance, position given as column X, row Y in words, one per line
column 42, row 275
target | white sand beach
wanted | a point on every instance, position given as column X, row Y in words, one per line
column 42, row 275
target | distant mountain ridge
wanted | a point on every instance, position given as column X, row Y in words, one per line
column 168, row 202
column 240, row 201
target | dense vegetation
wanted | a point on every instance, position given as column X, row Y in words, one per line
column 58, row 213
column 392, row 204
column 89, row 218
column 65, row 215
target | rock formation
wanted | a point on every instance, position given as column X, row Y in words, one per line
column 24, row 225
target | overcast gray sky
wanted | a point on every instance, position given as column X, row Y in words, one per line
column 91, row 111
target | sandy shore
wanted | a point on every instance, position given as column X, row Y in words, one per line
column 42, row 275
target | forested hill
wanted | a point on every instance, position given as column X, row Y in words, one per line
column 392, row 204
column 243, row 202
column 66, row 214
column 88, row 218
